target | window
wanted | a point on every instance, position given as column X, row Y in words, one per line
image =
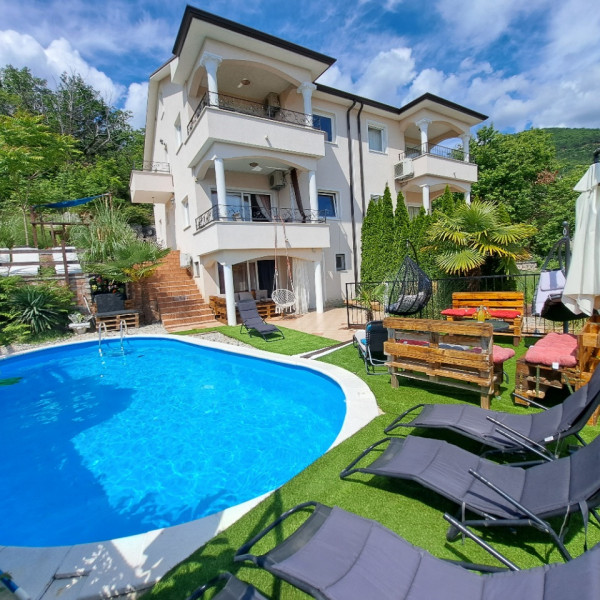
column 376, row 138
column 185, row 205
column 327, row 204
column 340, row 262
column 413, row 211
column 324, row 123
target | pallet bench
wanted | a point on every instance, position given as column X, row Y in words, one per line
column 505, row 306
column 266, row 309
column 456, row 354
column 110, row 310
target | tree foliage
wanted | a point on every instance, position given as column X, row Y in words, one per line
column 475, row 234
column 520, row 172
column 63, row 143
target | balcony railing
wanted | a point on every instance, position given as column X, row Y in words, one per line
column 226, row 212
column 156, row 167
column 434, row 150
column 256, row 109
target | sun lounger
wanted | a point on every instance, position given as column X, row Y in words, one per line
column 337, row 555
column 253, row 322
column 550, row 425
column 499, row 494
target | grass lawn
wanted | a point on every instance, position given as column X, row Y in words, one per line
column 412, row 511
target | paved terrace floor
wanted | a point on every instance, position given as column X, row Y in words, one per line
column 331, row 324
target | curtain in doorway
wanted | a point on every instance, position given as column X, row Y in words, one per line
column 301, row 272
column 263, row 201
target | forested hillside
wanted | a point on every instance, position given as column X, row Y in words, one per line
column 574, row 147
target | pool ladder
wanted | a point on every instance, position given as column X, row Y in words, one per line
column 101, row 326
column 122, row 333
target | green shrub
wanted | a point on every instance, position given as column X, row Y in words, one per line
column 42, row 307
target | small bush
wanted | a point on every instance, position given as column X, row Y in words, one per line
column 43, row 307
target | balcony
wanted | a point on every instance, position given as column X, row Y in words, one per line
column 434, row 161
column 229, row 227
column 150, row 183
column 263, row 127
column 237, row 213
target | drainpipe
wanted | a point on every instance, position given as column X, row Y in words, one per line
column 350, row 162
column 361, row 162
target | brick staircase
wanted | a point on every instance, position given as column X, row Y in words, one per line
column 176, row 295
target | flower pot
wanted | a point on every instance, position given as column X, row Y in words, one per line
column 79, row 328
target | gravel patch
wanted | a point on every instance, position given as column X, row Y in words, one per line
column 153, row 329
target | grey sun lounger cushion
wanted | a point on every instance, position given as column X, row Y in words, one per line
column 252, row 321
column 337, row 555
column 234, row 589
column 566, row 418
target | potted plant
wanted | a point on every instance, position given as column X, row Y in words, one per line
column 80, row 323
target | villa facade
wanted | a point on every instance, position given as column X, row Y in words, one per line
column 261, row 178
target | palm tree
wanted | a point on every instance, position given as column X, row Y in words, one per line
column 472, row 235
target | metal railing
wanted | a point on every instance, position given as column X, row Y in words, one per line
column 156, row 167
column 248, row 107
column 227, row 212
column 367, row 300
column 434, row 150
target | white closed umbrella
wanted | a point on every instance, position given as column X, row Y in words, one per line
column 582, row 288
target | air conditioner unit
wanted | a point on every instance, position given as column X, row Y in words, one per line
column 277, row 180
column 403, row 169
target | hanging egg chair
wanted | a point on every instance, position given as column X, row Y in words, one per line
column 411, row 289
column 284, row 298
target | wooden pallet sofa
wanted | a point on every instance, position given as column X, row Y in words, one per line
column 502, row 306
column 110, row 310
column 456, row 354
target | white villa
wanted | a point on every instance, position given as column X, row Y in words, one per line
column 261, row 177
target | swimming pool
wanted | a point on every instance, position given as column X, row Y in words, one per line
column 164, row 432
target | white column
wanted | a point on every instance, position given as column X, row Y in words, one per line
column 468, row 197
column 306, row 89
column 426, row 201
column 229, row 299
column 465, row 137
column 211, row 63
column 423, row 124
column 319, row 286
column 313, row 196
column 221, row 189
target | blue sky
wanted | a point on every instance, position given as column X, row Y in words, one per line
column 525, row 63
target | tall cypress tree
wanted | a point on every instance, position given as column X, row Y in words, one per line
column 386, row 243
column 368, row 238
column 401, row 231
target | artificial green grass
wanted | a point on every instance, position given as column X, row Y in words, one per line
column 412, row 511
column 295, row 342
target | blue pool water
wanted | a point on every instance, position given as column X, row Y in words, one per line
column 98, row 447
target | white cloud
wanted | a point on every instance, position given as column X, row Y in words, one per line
column 477, row 23
column 22, row 50
column 387, row 72
column 137, row 98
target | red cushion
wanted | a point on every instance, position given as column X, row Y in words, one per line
column 558, row 348
column 504, row 313
column 459, row 312
column 500, row 354
column 413, row 342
